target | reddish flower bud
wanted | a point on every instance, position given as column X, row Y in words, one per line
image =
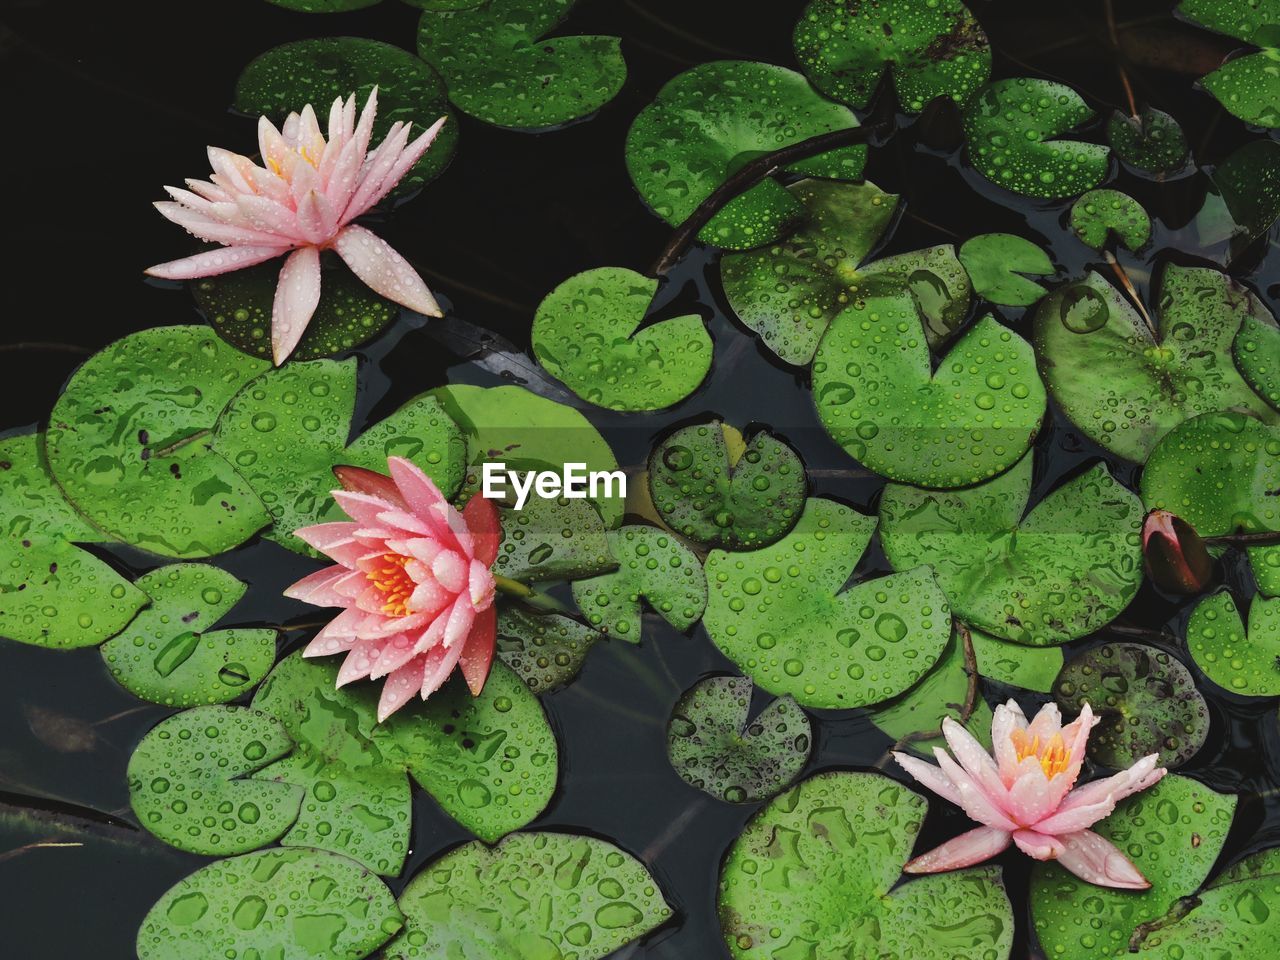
column 360, row 480
column 1177, row 560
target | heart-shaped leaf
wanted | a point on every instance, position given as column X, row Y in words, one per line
column 718, row 747
column 1247, row 86
column 1146, row 701
column 288, row 429
column 1245, row 664
column 1041, row 578
column 1124, row 387
column 790, row 291
column 1100, row 214
column 534, row 895
column 1152, row 143
column 52, row 593
column 814, row 876
column 784, row 616
column 552, row 539
column 274, row 903
column 169, row 655
column 1256, row 351
column 588, row 334
column 739, row 498
column 188, row 780
column 128, row 441
column 653, row 565
column 709, row 121
column 931, row 50
column 545, row 650
column 879, row 397
column 1010, row 127
column 994, row 262
column 1173, row 833
column 499, row 69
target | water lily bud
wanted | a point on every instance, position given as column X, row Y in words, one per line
column 1177, row 560
column 360, row 480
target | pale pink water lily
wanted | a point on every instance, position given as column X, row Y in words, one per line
column 302, row 199
column 1024, row 796
column 412, row 576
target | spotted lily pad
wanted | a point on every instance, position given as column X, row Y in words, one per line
column 169, row 655
column 1124, row 387
column 719, row 748
column 1256, row 351
column 711, row 120
column 1153, row 143
column 552, row 539
column 1011, row 126
column 790, row 291
column 931, row 50
column 499, row 69
column 273, row 903
column 1173, row 832
column 739, row 498
column 588, row 334
column 1100, row 214
column 784, row 616
column 653, row 565
column 545, row 650
column 1247, row 86
column 1245, row 664
column 1040, row 578
column 815, row 875
column 1145, row 698
column 288, row 77
column 534, row 895
column 189, row 783
column 287, row 430
column 994, row 262
column 129, row 442
column 879, row 397
column 1031, row 668
column 52, row 593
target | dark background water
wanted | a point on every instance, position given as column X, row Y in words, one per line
column 104, row 103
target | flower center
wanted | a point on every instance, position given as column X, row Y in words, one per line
column 394, row 583
column 1054, row 756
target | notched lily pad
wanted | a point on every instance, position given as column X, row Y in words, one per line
column 994, row 262
column 1244, row 664
column 653, row 565
column 1145, row 698
column 1100, row 214
column 552, row 539
column 717, row 747
column 588, row 334
column 546, row 650
column 1256, row 351
column 1153, row 143
column 709, row 121
column 738, row 498
column 169, row 655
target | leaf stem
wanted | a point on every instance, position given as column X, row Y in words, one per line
column 1132, row 291
column 1179, row 910
column 1261, row 538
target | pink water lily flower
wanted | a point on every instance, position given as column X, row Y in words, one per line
column 412, row 576
column 1024, row 795
column 303, row 200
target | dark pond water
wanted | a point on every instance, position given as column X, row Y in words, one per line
column 106, row 102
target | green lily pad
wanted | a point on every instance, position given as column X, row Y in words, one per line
column 129, row 443
column 511, row 425
column 738, row 499
column 789, row 292
column 1256, row 351
column 52, row 593
column 653, row 565
column 1247, row 86
column 1100, row 214
column 1010, row 127
column 288, row 77
column 552, row 539
column 499, row 69
column 879, row 397
column 1040, row 578
column 1243, row 200
column 1173, row 832
column 545, row 650
column 534, row 895
column 814, row 876
column 291, row 904
column 711, row 120
column 784, row 616
column 1245, row 664
column 1146, row 701
column 1031, row 668
column 288, row 429
column 1153, row 143
column 588, row 334
column 931, row 50
column 994, row 262
column 189, row 784
column 716, row 746
column 169, row 655
column 1124, row 387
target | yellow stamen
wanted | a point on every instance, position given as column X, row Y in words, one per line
column 275, row 167
column 394, row 582
column 1054, row 757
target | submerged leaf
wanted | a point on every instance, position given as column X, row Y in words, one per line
column 994, row 260
column 1245, row 664
column 1101, row 214
column 1243, row 201
column 546, row 650
column 1153, row 143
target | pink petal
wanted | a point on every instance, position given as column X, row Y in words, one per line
column 359, row 661
column 1031, row 798
column 977, row 845
column 929, row 776
column 376, row 169
column 1078, row 817
column 360, row 480
column 481, row 518
column 337, row 637
column 383, row 270
column 971, row 755
column 973, row 800
column 364, row 129
column 232, row 168
column 450, row 571
column 1096, row 860
column 1008, row 718
column 214, row 262
column 316, row 219
column 317, row 588
column 204, row 227
column 297, row 294
column 209, row 191
column 480, row 586
column 439, row 664
column 399, row 688
column 1046, row 723
column 1037, row 845
column 364, row 508
column 461, row 616
column 423, row 497
column 1141, row 775
column 395, row 654
column 477, row 651
column 270, row 218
